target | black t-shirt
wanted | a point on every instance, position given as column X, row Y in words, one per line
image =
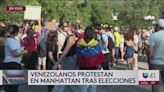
column 52, row 48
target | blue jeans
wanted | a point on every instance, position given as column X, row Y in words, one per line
column 117, row 51
column 60, row 88
column 90, row 88
column 68, row 63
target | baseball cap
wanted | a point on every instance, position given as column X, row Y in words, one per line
column 159, row 22
column 13, row 29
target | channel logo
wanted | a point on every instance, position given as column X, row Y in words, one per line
column 145, row 75
column 149, row 77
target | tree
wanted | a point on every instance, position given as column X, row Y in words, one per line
column 131, row 13
column 12, row 17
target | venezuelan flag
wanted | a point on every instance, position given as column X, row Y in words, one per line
column 89, row 54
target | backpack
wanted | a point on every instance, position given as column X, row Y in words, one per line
column 41, row 43
column 110, row 42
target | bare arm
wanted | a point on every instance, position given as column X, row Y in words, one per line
column 122, row 52
column 17, row 54
column 106, row 45
column 50, row 56
column 39, row 23
column 70, row 43
column 149, row 53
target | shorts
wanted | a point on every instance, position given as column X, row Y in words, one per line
column 42, row 61
column 117, row 53
column 129, row 52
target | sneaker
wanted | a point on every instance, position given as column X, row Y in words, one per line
column 135, row 68
column 112, row 65
column 116, row 62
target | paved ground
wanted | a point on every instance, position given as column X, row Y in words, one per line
column 99, row 89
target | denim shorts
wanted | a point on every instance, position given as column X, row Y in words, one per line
column 129, row 52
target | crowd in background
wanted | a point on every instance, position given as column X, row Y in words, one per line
column 45, row 47
column 69, row 46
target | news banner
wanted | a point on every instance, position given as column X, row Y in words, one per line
column 79, row 77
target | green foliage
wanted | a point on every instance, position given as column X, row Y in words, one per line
column 131, row 13
column 12, row 17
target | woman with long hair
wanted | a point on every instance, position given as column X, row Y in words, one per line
column 129, row 49
column 52, row 49
column 68, row 56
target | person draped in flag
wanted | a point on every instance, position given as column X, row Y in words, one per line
column 89, row 51
column 89, row 55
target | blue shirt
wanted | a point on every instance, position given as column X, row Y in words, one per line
column 11, row 45
column 103, row 39
column 156, row 41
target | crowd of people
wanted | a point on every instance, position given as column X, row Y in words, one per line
column 69, row 46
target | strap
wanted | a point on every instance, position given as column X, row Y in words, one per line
column 102, row 38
